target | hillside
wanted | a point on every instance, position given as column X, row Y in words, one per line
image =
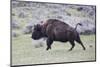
column 26, row 14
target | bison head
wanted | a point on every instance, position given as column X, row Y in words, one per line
column 37, row 32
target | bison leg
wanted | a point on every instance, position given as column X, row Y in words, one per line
column 80, row 42
column 49, row 42
column 73, row 44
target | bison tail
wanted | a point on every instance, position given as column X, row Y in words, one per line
column 77, row 25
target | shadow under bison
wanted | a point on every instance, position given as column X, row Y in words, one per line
column 56, row 30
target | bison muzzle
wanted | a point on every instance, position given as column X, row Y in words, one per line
column 56, row 30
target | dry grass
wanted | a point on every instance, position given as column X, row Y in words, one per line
column 24, row 52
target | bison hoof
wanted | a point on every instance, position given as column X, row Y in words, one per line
column 84, row 48
column 47, row 49
column 70, row 50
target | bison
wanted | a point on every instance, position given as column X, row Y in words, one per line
column 56, row 30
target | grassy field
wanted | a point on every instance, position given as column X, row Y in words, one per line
column 23, row 47
column 24, row 52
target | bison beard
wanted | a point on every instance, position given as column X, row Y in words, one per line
column 56, row 30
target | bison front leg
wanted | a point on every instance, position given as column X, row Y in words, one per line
column 49, row 42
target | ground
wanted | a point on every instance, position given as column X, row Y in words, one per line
column 24, row 52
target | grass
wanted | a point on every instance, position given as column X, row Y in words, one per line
column 24, row 52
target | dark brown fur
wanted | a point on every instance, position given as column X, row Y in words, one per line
column 56, row 30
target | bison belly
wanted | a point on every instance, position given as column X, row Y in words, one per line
column 61, row 35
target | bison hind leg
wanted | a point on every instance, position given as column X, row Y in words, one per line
column 80, row 42
column 73, row 45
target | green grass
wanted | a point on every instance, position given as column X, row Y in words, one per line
column 24, row 52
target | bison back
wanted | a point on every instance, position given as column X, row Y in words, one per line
column 60, row 31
